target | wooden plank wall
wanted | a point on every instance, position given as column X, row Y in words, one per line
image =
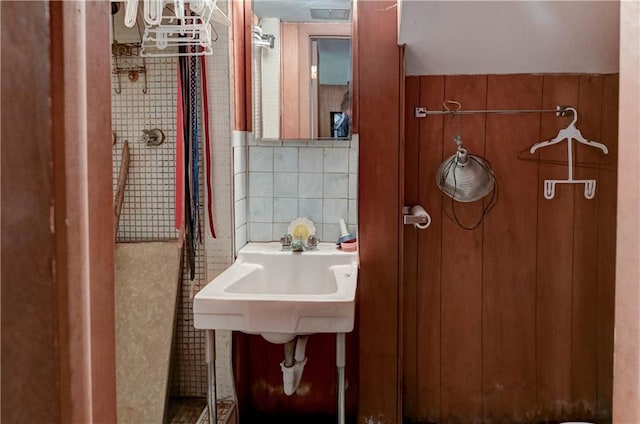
column 379, row 80
column 513, row 321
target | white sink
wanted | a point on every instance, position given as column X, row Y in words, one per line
column 280, row 294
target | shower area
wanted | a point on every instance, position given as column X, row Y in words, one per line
column 171, row 152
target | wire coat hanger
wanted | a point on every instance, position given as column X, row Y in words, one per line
column 569, row 134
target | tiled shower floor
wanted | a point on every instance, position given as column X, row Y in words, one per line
column 194, row 411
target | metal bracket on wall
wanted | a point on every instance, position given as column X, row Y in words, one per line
column 420, row 112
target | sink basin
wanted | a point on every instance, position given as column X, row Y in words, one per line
column 280, row 294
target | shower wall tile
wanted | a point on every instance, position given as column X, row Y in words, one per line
column 148, row 209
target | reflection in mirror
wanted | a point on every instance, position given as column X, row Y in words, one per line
column 302, row 71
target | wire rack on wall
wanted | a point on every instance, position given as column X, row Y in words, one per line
column 127, row 60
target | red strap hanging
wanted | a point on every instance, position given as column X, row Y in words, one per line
column 207, row 145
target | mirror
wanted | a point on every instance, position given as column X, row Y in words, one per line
column 301, row 69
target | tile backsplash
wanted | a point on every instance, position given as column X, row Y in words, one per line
column 286, row 180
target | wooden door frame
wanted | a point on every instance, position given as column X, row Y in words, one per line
column 85, row 245
column 626, row 383
column 378, row 85
column 59, row 324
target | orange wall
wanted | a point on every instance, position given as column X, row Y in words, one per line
column 514, row 320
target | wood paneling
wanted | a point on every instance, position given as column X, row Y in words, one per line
column 554, row 256
column 379, row 198
column 290, row 83
column 410, row 243
column 461, row 267
column 509, row 232
column 513, row 321
column 429, row 256
column 607, row 195
column 329, row 100
column 29, row 313
column 241, row 44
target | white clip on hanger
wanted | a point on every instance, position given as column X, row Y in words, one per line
column 570, row 133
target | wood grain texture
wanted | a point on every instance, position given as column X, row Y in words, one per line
column 289, row 85
column 428, row 335
column 30, row 393
column 410, row 248
column 585, row 251
column 509, row 239
column 379, row 210
column 329, row 100
column 522, row 306
column 100, row 210
column 58, row 349
column 462, row 267
column 241, row 66
column 249, row 21
column 607, row 197
column 554, row 246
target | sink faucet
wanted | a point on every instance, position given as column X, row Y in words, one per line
column 298, row 245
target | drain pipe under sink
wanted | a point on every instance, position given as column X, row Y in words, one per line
column 293, row 364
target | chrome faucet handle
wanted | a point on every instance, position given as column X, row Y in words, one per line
column 312, row 242
column 286, row 241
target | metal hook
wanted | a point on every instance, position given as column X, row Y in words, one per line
column 446, row 104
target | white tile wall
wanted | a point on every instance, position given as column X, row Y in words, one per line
column 317, row 180
column 148, row 209
column 220, row 252
column 240, row 183
column 270, row 83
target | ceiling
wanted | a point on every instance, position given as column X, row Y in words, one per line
column 299, row 10
column 504, row 37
